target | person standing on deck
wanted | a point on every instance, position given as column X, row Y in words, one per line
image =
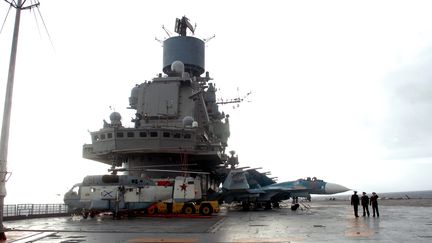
column 374, row 203
column 365, row 204
column 355, row 201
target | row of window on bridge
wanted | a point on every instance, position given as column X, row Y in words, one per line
column 154, row 134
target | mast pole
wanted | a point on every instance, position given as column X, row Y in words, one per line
column 6, row 117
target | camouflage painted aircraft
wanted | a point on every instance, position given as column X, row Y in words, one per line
column 251, row 187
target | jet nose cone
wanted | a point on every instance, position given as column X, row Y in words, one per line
column 332, row 188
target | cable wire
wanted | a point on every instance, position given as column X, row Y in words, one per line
column 37, row 23
column 46, row 29
column 7, row 14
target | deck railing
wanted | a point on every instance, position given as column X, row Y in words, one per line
column 33, row 210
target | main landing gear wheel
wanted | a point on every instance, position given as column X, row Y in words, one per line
column 245, row 206
column 294, row 207
column 92, row 214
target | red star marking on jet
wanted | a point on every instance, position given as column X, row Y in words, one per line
column 183, row 187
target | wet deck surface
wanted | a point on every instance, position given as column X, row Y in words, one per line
column 331, row 222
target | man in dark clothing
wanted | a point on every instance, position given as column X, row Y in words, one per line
column 365, row 204
column 355, row 201
column 374, row 203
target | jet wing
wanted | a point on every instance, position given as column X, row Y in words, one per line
column 298, row 188
column 285, row 190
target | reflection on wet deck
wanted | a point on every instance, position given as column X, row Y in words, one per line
column 323, row 222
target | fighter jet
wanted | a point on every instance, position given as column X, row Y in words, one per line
column 240, row 186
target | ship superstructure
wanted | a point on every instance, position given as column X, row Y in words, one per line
column 177, row 122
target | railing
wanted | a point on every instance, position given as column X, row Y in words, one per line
column 34, row 210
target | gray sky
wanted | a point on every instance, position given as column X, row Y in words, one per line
column 341, row 90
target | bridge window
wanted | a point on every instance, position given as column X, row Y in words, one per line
column 143, row 134
column 120, row 135
column 153, row 134
column 176, row 135
column 130, row 134
column 187, row 136
column 109, row 135
column 166, row 134
column 102, row 136
column 96, row 138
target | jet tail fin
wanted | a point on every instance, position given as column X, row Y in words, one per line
column 236, row 180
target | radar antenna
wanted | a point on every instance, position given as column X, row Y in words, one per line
column 182, row 24
column 236, row 100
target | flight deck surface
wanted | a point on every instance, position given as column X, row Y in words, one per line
column 325, row 221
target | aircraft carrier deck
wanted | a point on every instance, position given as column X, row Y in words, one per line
column 326, row 221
